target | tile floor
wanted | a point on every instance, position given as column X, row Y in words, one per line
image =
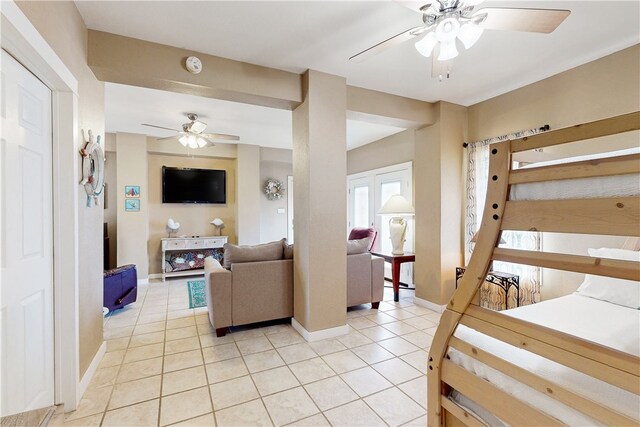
column 165, row 366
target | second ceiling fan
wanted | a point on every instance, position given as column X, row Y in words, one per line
column 448, row 21
column 192, row 134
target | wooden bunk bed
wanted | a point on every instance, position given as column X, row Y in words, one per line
column 511, row 340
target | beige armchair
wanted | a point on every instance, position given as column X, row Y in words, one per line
column 248, row 293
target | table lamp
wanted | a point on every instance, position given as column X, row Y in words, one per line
column 397, row 206
column 218, row 224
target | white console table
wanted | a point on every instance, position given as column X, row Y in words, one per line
column 174, row 244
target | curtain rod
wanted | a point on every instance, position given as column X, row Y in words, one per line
column 518, row 134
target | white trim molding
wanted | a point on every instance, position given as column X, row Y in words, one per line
column 322, row 334
column 428, row 304
column 88, row 375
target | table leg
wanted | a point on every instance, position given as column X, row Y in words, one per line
column 395, row 278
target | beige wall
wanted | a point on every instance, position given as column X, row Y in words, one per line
column 62, row 27
column 248, row 194
column 606, row 87
column 111, row 205
column 194, row 219
column 392, row 150
column 133, row 229
column 274, row 164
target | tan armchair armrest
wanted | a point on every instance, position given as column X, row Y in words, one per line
column 218, row 287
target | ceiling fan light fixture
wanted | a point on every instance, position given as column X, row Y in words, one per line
column 201, row 142
column 469, row 34
column 447, row 51
column 472, row 2
column 198, row 127
column 447, row 30
column 183, row 140
column 426, row 44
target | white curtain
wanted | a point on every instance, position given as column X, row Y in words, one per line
column 492, row 296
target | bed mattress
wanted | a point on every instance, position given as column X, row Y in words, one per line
column 591, row 319
column 608, row 186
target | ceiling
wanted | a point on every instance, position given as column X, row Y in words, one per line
column 127, row 107
column 298, row 35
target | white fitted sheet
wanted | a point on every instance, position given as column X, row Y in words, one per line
column 581, row 188
column 608, row 324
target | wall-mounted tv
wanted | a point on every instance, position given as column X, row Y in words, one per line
column 186, row 185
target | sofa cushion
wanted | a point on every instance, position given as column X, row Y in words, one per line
column 250, row 253
column 362, row 232
column 359, row 246
column 287, row 250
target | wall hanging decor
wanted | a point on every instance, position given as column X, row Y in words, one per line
column 92, row 168
column 132, row 191
column 274, row 189
column 132, row 205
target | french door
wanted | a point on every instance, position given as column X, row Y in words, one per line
column 367, row 193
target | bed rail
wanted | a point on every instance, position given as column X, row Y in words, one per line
column 619, row 216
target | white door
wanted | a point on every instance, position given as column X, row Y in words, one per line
column 26, row 254
column 290, row 210
column 360, row 203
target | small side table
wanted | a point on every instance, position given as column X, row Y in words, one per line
column 395, row 261
column 503, row 280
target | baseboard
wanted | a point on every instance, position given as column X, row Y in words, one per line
column 144, row 281
column 428, row 304
column 154, row 276
column 322, row 334
column 88, row 375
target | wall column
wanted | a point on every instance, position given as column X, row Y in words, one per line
column 319, row 177
column 248, row 194
column 438, row 170
column 133, row 226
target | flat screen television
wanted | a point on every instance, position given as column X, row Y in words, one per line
column 186, row 185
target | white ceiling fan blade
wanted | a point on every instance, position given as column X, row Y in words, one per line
column 388, row 43
column 417, row 6
column 197, row 127
column 171, row 137
column 209, row 142
column 159, row 127
column 220, row 136
column 530, row 20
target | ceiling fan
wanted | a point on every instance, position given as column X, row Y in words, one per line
column 449, row 21
column 192, row 135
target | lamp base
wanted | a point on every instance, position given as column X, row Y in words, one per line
column 397, row 233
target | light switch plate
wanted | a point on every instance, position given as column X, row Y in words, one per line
column 280, row 210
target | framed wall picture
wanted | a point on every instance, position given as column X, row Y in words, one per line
column 132, row 205
column 132, row 191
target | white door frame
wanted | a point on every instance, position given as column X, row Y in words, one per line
column 20, row 38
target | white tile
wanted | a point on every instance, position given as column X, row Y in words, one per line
column 146, row 339
column 420, row 323
column 418, row 422
column 354, row 339
column 247, row 414
column 148, row 328
column 226, row 370
column 381, row 318
column 274, row 380
column 135, row 391
column 113, row 358
column 419, row 339
column 400, row 314
column 254, row 345
column 327, row 346
column 140, row 369
column 343, row 361
column 311, row 370
column 417, row 390
column 186, row 332
column 241, row 335
column 297, row 352
column 417, row 359
column 397, row 371
column 233, row 392
column 262, row 361
column 206, row 420
column 365, row 381
column 181, row 323
column 220, row 352
column 185, row 405
column 282, row 339
column 330, row 392
column 209, row 339
column 187, row 379
column 118, row 344
column 317, row 420
column 354, row 414
column 399, row 328
column 188, row 359
column 104, row 377
column 289, row 406
column 140, row 414
column 144, row 352
column 181, row 345
column 94, row 401
column 372, row 353
column 360, row 323
column 377, row 333
column 398, row 346
column 394, row 407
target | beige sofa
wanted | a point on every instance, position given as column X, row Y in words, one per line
column 257, row 291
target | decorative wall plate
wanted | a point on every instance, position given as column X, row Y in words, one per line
column 92, row 169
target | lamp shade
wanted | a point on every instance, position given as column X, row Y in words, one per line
column 397, row 205
column 217, row 222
